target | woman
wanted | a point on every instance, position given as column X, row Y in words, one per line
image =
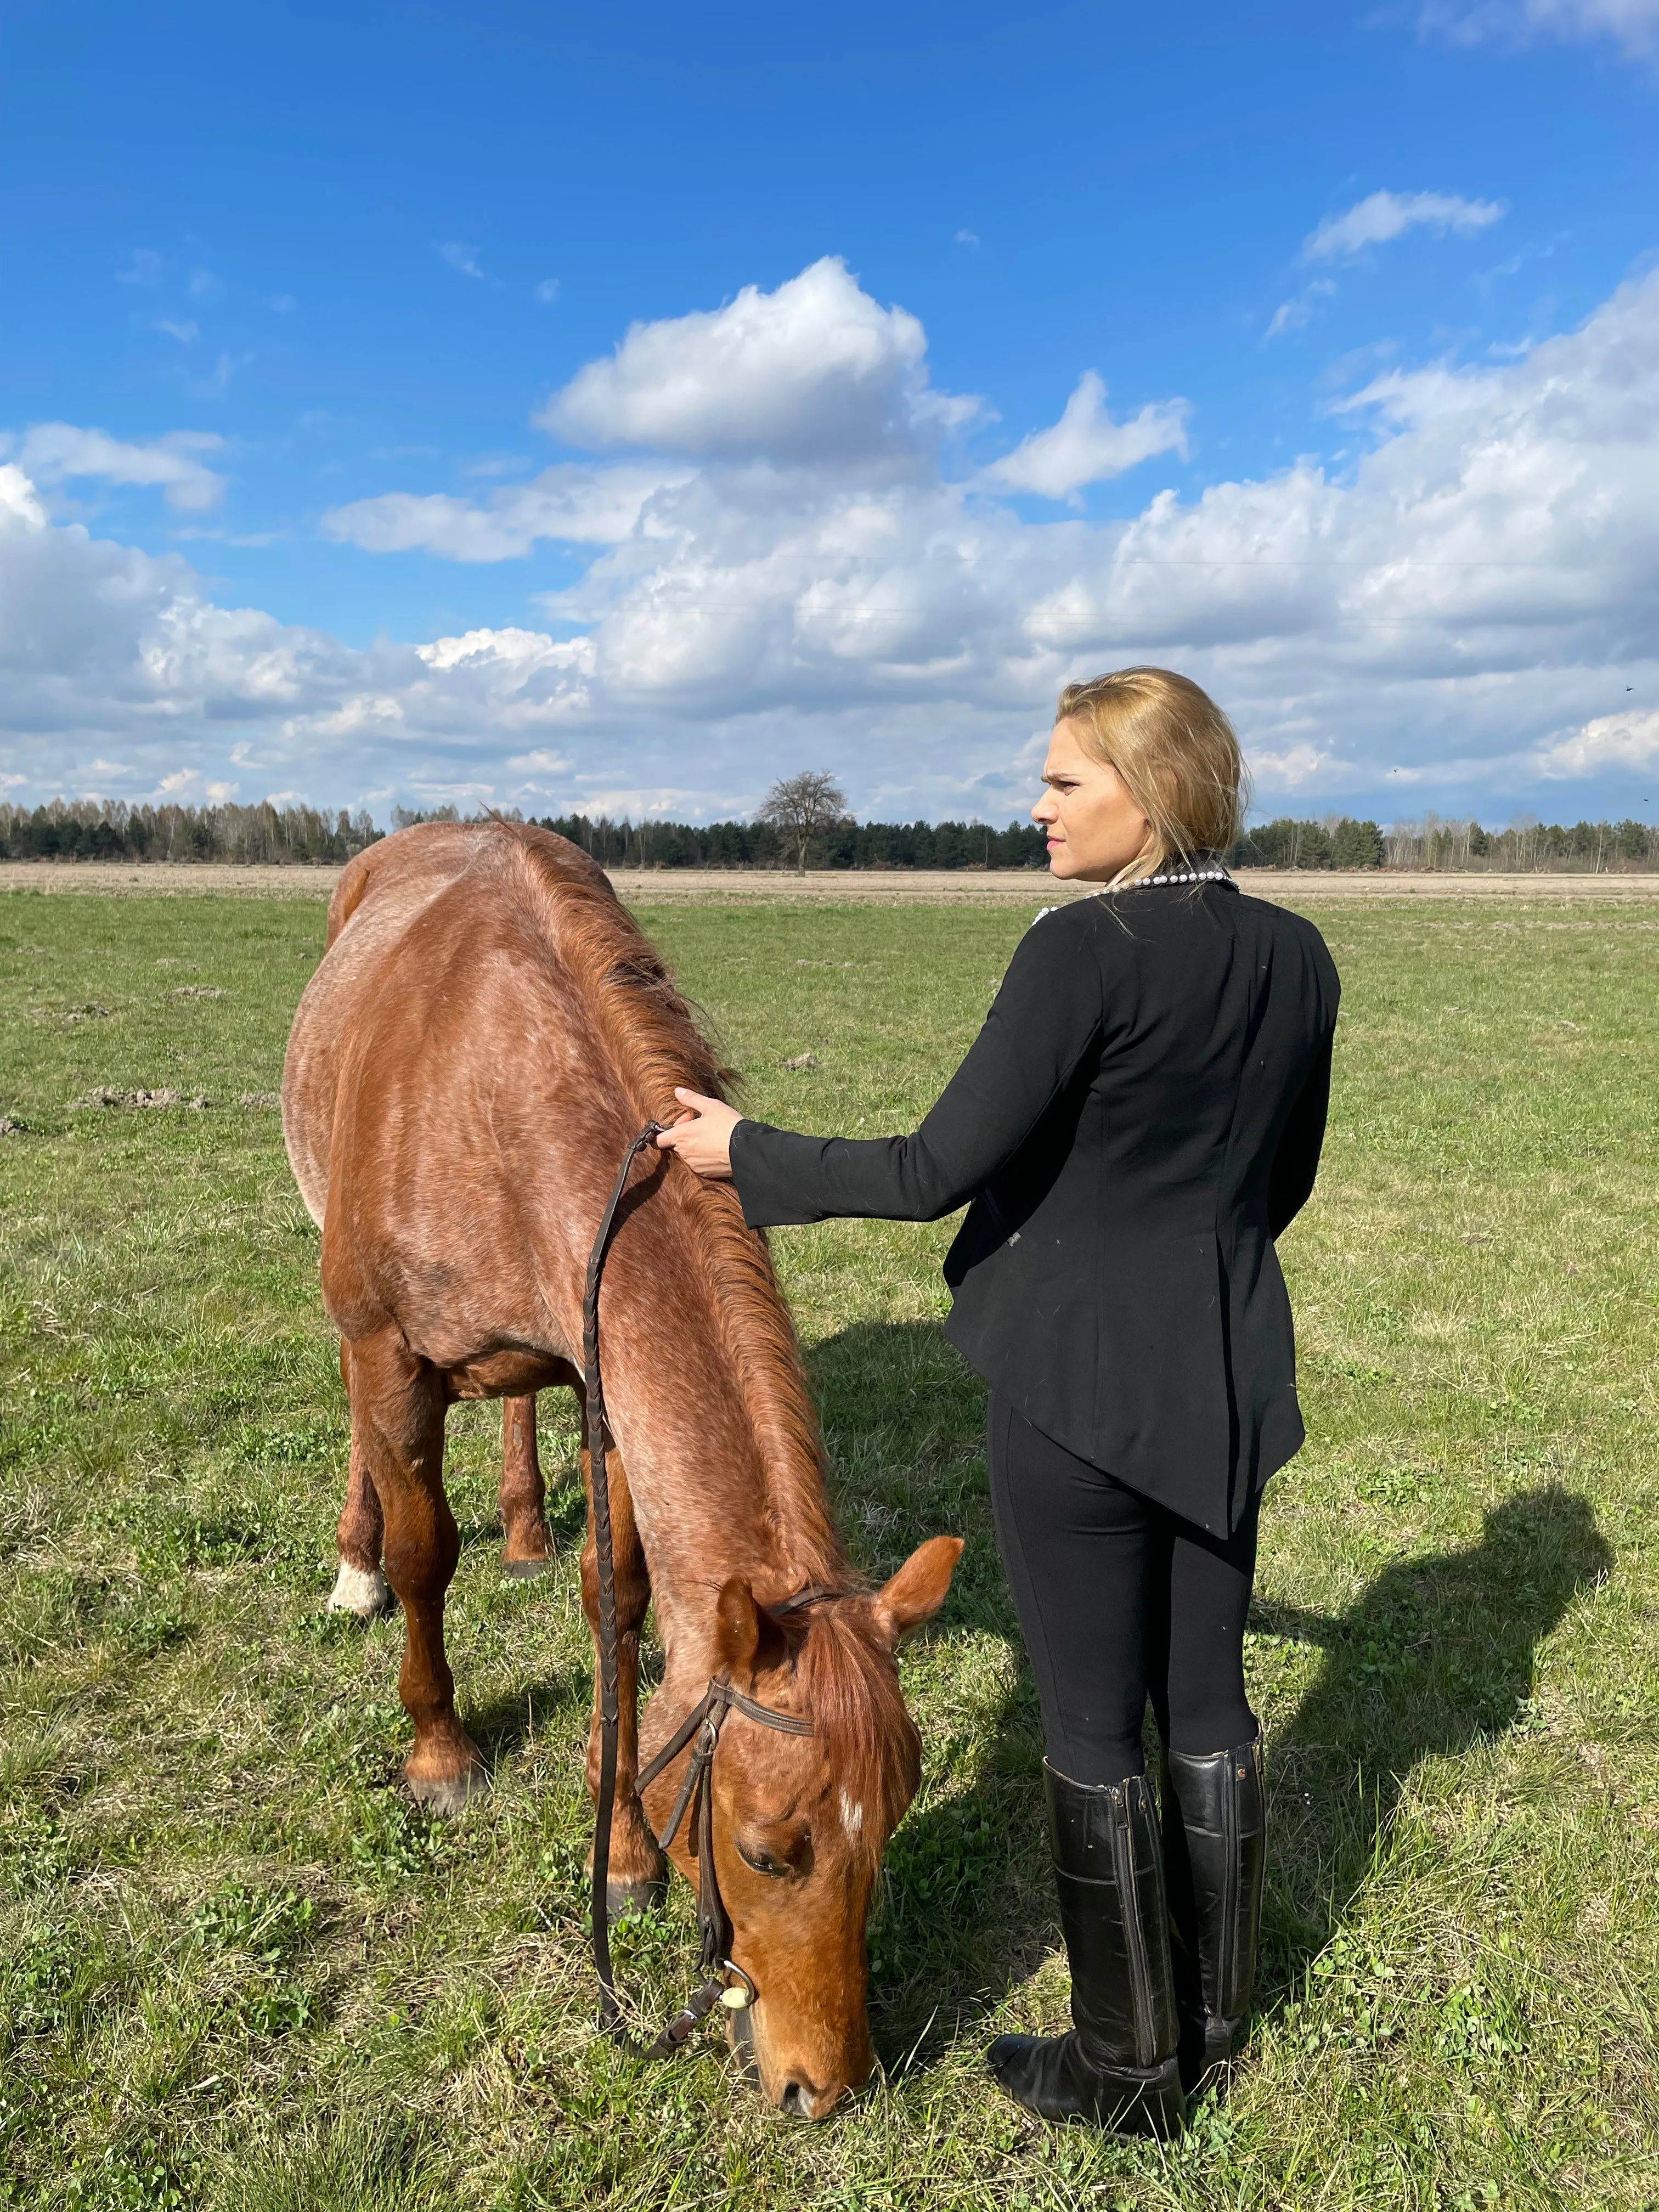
column 1139, row 1119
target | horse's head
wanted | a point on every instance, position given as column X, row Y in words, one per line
column 800, row 1822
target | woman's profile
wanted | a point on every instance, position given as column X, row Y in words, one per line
column 1138, row 1121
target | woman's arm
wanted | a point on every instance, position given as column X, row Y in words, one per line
column 1041, row 1023
column 1297, row 1161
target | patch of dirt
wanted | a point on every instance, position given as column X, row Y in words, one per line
column 199, row 991
column 10, row 1128
column 895, row 886
column 104, row 1096
column 260, row 1098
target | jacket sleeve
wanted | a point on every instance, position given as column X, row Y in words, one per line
column 1042, row 1022
column 1297, row 1161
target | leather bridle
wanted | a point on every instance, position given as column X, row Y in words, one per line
column 701, row 1728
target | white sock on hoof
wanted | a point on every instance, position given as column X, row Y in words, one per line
column 361, row 1590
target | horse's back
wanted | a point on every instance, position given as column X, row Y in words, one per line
column 366, row 971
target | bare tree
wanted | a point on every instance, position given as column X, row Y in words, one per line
column 799, row 807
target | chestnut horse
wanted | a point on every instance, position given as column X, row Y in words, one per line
column 485, row 1034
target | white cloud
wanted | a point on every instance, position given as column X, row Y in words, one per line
column 814, row 371
column 1457, row 615
column 966, row 237
column 547, row 290
column 186, row 333
column 462, row 259
column 18, row 503
column 1295, row 768
column 1631, row 25
column 145, row 268
column 1085, row 445
column 540, row 762
column 1608, row 741
column 51, row 453
column 1384, row 216
column 1296, row 315
column 579, row 505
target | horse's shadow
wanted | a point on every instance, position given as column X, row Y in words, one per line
column 1436, row 1651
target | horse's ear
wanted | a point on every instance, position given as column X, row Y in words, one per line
column 746, row 1640
column 917, row 1590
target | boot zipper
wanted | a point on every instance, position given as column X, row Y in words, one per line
column 1227, row 1933
column 1134, row 1936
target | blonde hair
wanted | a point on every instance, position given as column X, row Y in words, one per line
column 1176, row 752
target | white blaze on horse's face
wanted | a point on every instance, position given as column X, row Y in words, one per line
column 800, row 1822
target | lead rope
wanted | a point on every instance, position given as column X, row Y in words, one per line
column 598, row 1485
column 702, row 1722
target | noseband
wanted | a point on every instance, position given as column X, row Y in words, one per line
column 701, row 1728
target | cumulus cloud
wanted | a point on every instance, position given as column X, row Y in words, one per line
column 51, row 453
column 1607, row 741
column 1085, row 445
column 1459, row 612
column 1631, row 25
column 1381, row 216
column 816, row 370
column 578, row 505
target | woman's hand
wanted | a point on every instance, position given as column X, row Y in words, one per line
column 703, row 1135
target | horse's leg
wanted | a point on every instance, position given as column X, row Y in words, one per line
column 525, row 1547
column 398, row 1404
column 360, row 1587
column 638, row 1872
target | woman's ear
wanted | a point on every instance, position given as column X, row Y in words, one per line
column 747, row 1640
column 917, row 1590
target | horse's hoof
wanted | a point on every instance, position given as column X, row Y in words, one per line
column 623, row 1897
column 523, row 1570
column 363, row 1592
column 447, row 1795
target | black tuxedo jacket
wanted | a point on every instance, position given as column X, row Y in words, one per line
column 1137, row 1120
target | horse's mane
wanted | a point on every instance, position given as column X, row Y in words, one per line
column 654, row 1043
column 846, row 1679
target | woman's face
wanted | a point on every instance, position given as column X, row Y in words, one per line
column 1094, row 826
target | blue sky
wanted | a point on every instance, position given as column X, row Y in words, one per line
column 1313, row 350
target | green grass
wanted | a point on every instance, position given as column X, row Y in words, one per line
column 237, row 1971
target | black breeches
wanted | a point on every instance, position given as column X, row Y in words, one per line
column 1119, row 1600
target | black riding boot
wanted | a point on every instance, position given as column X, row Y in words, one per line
column 1118, row 2066
column 1215, row 1833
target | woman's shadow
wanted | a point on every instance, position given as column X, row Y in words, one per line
column 1439, row 1651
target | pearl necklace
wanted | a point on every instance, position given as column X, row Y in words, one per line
column 1192, row 876
column 1146, row 883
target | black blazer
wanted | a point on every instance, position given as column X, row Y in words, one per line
column 1137, row 1120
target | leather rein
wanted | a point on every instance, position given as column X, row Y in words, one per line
column 725, row 1982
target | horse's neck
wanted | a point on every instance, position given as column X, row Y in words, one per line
column 720, row 1486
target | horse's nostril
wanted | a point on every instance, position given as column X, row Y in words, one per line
column 793, row 2099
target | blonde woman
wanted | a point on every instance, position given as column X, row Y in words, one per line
column 1137, row 1122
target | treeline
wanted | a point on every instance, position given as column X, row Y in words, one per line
column 88, row 829
column 1338, row 842
column 265, row 835
column 845, row 844
column 1586, row 848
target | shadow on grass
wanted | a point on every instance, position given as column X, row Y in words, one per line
column 502, row 1726
column 1436, row 1653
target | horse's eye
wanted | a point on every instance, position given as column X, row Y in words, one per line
column 753, row 1854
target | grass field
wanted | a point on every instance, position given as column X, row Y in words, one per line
column 237, row 1971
